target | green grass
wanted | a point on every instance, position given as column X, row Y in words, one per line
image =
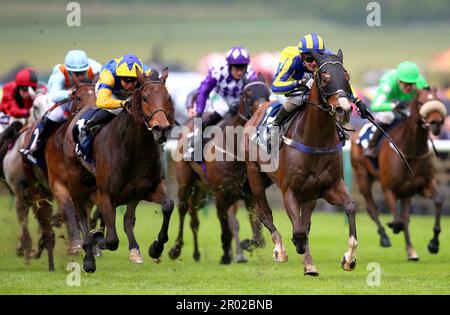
column 261, row 275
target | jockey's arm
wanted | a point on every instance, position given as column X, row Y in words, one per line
column 382, row 102
column 284, row 78
column 9, row 104
column 203, row 93
column 104, row 94
column 56, row 87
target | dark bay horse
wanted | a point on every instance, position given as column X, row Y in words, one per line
column 304, row 177
column 225, row 178
column 128, row 166
column 426, row 115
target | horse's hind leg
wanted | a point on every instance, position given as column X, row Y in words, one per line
column 44, row 216
column 365, row 187
column 265, row 213
column 161, row 196
column 406, row 207
column 129, row 221
column 195, row 223
column 397, row 225
column 258, row 238
column 339, row 196
column 108, row 211
column 234, row 226
column 432, row 192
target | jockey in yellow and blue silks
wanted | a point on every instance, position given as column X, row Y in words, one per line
column 117, row 82
column 294, row 73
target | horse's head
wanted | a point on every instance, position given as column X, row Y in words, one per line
column 333, row 84
column 255, row 93
column 40, row 105
column 84, row 94
column 432, row 111
column 152, row 105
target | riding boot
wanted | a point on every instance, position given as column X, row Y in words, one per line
column 40, row 134
column 100, row 118
column 372, row 148
column 211, row 119
column 282, row 115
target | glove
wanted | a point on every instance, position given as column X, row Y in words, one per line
column 126, row 103
column 401, row 105
column 304, row 84
column 362, row 109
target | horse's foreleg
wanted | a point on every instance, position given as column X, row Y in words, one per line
column 339, row 196
column 398, row 224
column 108, row 211
column 365, row 187
column 265, row 213
column 258, row 238
column 129, row 221
column 222, row 206
column 25, row 243
column 406, row 207
column 185, row 201
column 160, row 195
column 62, row 197
column 432, row 192
column 234, row 226
column 43, row 211
column 195, row 223
column 309, row 268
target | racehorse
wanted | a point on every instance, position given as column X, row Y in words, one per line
column 128, row 166
column 310, row 162
column 224, row 178
column 17, row 181
column 426, row 115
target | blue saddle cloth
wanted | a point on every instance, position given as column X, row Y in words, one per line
column 83, row 147
column 262, row 134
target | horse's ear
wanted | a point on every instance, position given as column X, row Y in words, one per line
column 318, row 57
column 164, row 75
column 140, row 76
column 340, row 55
column 261, row 77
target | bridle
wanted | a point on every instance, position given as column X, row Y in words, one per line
column 247, row 107
column 148, row 118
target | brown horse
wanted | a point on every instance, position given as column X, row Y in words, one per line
column 426, row 114
column 310, row 163
column 223, row 177
column 128, row 165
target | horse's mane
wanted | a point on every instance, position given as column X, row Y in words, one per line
column 136, row 101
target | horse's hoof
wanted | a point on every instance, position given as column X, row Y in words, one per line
column 89, row 266
column 98, row 238
column 433, row 246
column 155, row 250
column 97, row 251
column 75, row 247
column 136, row 257
column 175, row 252
column 241, row 258
column 196, row 256
column 346, row 265
column 310, row 270
column 110, row 245
column 19, row 251
column 246, row 245
column 396, row 226
column 280, row 257
column 385, row 242
column 225, row 260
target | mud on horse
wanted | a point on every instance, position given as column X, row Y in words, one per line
column 310, row 162
column 223, row 177
column 129, row 168
column 426, row 115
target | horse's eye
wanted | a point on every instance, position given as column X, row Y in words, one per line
column 326, row 78
column 144, row 98
column 347, row 76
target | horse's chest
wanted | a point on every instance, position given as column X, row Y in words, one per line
column 313, row 182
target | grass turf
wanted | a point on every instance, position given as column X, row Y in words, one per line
column 261, row 275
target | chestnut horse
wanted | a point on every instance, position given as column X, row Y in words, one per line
column 128, row 165
column 310, row 162
column 426, row 114
column 223, row 177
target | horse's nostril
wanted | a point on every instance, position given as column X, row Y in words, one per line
column 340, row 110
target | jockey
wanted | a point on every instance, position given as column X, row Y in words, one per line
column 396, row 88
column 77, row 64
column 16, row 102
column 224, row 85
column 117, row 82
column 294, row 74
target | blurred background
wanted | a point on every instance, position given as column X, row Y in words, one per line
column 190, row 35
